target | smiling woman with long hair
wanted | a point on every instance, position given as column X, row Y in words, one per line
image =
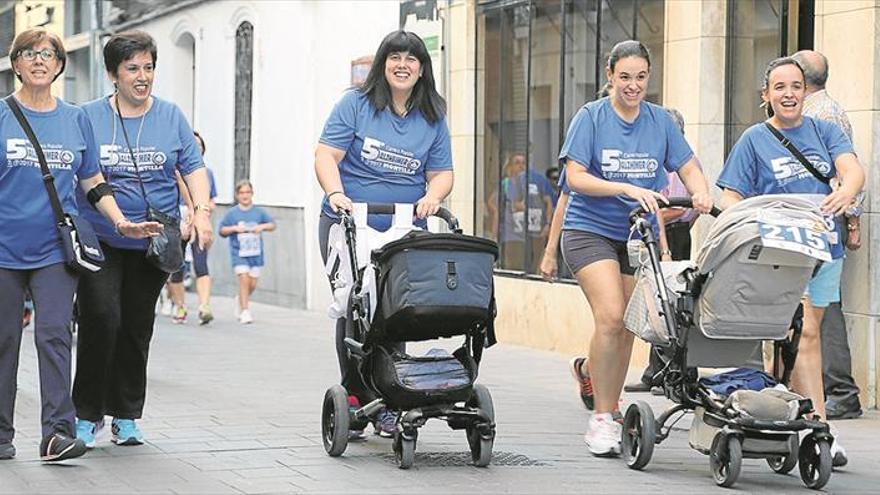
column 385, row 142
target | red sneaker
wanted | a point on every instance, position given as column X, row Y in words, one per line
column 585, row 385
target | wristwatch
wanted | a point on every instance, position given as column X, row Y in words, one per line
column 202, row 207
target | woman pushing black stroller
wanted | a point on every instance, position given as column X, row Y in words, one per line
column 419, row 286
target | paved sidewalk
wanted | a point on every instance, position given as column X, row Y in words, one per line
column 234, row 409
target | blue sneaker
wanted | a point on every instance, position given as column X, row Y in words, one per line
column 87, row 431
column 126, row 432
column 385, row 424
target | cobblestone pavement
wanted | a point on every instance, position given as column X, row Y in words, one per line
column 236, row 409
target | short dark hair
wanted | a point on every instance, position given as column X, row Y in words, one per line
column 201, row 140
column 30, row 38
column 424, row 94
column 123, row 46
column 628, row 48
column 773, row 65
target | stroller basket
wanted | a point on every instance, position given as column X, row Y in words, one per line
column 432, row 286
column 407, row 382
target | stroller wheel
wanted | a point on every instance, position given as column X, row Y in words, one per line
column 335, row 421
column 481, row 447
column 639, row 435
column 814, row 460
column 725, row 459
column 785, row 463
column 404, row 445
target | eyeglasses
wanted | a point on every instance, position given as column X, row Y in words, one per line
column 30, row 54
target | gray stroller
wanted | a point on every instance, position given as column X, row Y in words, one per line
column 743, row 290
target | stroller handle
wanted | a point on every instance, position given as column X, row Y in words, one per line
column 388, row 209
column 673, row 203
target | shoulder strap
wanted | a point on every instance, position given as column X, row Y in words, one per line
column 137, row 170
column 48, row 179
column 797, row 153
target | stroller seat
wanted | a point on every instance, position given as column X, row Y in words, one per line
column 751, row 290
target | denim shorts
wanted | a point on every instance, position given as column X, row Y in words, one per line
column 250, row 265
column 824, row 288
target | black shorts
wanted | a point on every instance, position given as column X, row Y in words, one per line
column 580, row 249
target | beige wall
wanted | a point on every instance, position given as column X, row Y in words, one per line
column 30, row 13
column 694, row 81
column 848, row 33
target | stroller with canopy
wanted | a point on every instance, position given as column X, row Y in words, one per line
column 417, row 286
column 744, row 288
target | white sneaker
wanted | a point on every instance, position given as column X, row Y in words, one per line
column 167, row 307
column 603, row 435
column 838, row 454
column 236, row 307
column 245, row 317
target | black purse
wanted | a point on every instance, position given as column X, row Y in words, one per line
column 79, row 243
column 164, row 251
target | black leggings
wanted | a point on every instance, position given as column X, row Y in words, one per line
column 116, row 315
column 351, row 378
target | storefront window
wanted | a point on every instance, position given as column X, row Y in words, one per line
column 540, row 65
column 754, row 38
column 758, row 32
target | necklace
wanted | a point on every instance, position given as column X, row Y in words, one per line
column 137, row 142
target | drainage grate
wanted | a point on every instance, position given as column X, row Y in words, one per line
column 464, row 459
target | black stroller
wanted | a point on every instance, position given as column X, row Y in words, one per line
column 742, row 290
column 423, row 286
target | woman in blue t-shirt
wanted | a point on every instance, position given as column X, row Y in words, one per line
column 116, row 305
column 31, row 254
column 616, row 155
column 384, row 142
column 759, row 164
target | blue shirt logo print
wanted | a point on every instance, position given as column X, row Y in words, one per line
column 20, row 153
column 788, row 169
column 112, row 155
column 617, row 164
column 378, row 154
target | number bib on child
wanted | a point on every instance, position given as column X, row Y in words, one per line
column 249, row 245
column 794, row 235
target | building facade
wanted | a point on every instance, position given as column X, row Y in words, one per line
column 519, row 69
column 257, row 79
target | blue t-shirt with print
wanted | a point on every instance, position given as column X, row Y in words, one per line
column 386, row 156
column 248, row 244
column 212, row 193
column 28, row 236
column 759, row 164
column 562, row 184
column 638, row 153
column 530, row 188
column 161, row 141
